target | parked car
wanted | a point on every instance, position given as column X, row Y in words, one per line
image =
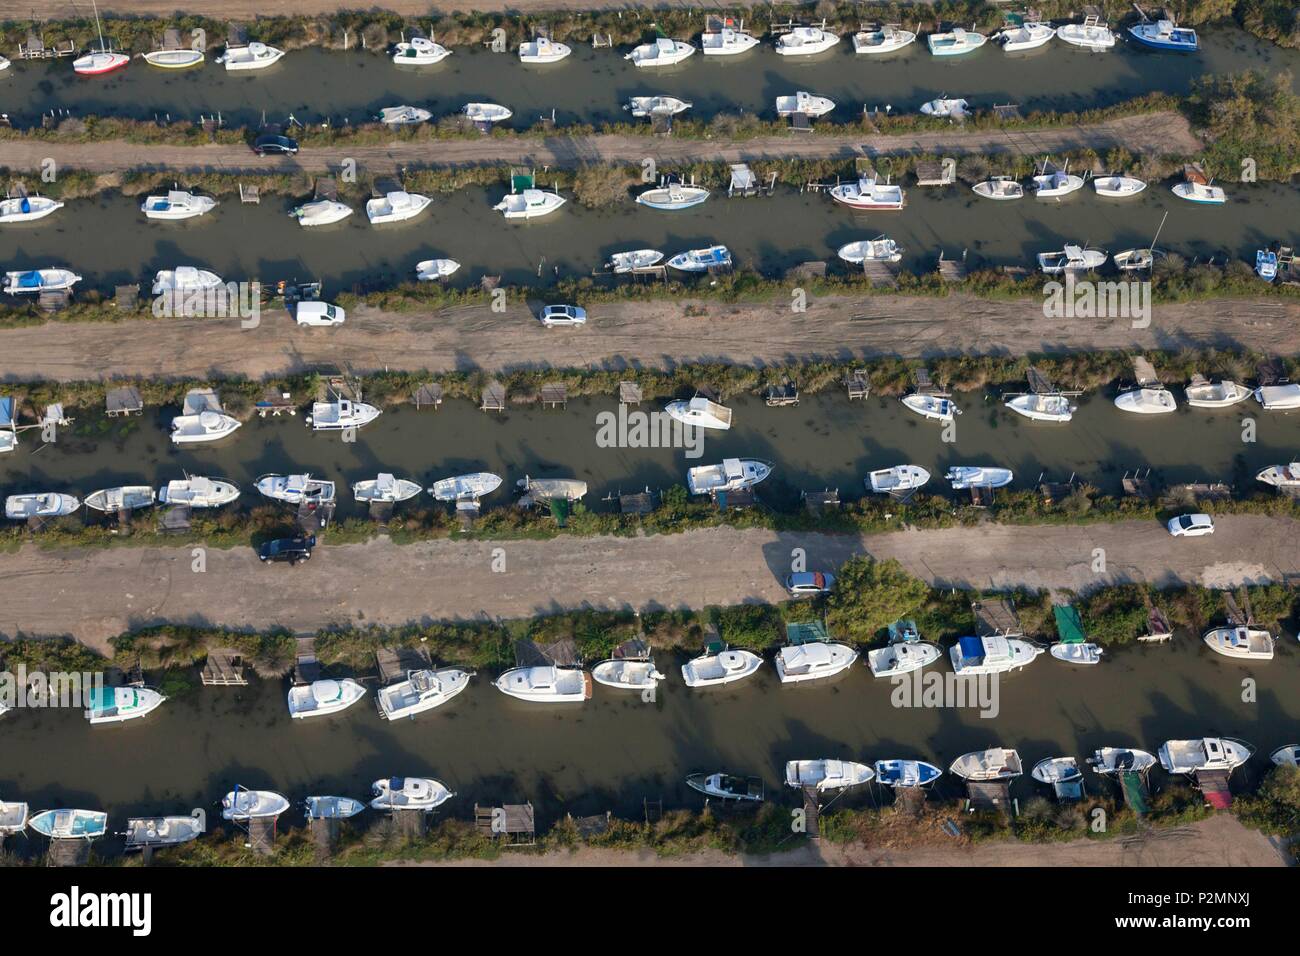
column 318, row 313
column 273, row 144
column 807, row 583
column 554, row 315
column 292, row 550
column 1191, row 526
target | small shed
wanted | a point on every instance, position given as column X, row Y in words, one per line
column 122, row 401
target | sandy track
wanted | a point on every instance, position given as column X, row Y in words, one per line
column 249, row 9
column 95, row 594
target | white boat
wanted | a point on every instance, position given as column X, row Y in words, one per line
column 1215, row 394
column 827, row 774
column 13, row 817
column 1118, row 187
column 1053, row 770
column 996, row 763
column 42, row 504
column 1091, row 34
column 1205, row 753
column 956, row 42
column 177, row 204
column 27, row 208
column 671, row 197
column 887, row 481
column 1278, row 397
column 435, row 270
column 181, row 59
column 35, row 281
column 1243, row 643
column 321, row 212
column 624, row 262
column 332, row 808
column 70, row 824
column 255, row 56
column 559, row 489
column 115, row 705
column 1136, row 260
column 185, row 279
column 530, row 203
column 902, row 658
column 991, row 654
column 803, row 102
column 726, row 42
column 404, row 115
column 720, row 665
column 543, row 50
column 642, row 106
column 978, row 476
column 1026, row 36
column 340, row 414
column 241, row 804
column 1280, row 476
column 660, row 52
column 123, row 498
column 727, row 786
column 884, row 39
column 1072, row 258
column 700, row 412
column 1121, row 760
column 206, row 425
column 461, row 487
column 813, row 660
column 103, row 60
column 1288, row 755
column 805, row 41
column 397, row 206
column 1147, row 401
column 487, row 112
column 733, row 474
column 323, row 697
column 1056, row 184
column 627, row 674
column 1204, row 193
column 195, row 491
column 906, row 773
column 999, row 187
column 419, row 51
column 422, row 690
column 1081, row 653
column 946, row 108
column 296, row 489
column 879, row 249
column 1042, row 408
column 386, row 488
column 931, row 406
column 701, row 260
column 409, row 793
column 546, row 684
column 868, row 194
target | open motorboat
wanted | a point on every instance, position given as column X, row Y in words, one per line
column 185, row 279
column 409, row 793
column 996, row 763
column 241, row 804
column 999, row 187
column 180, row 59
column 529, row 203
column 404, row 115
column 701, row 260
column 906, row 773
column 1076, row 653
column 419, row 51
column 733, row 474
column 728, row 41
column 254, row 56
column 396, row 206
column 726, row 786
column 1091, row 34
column 879, row 249
column 1165, row 35
column 1072, row 258
column 899, row 478
column 883, row 39
column 206, row 425
column 1280, row 476
column 805, row 41
column 461, row 487
column 195, row 491
column 340, row 414
column 718, row 665
column 435, row 270
column 991, row 654
column 177, row 204
column 700, row 412
column 977, row 476
column 42, row 504
column 1136, row 260
column 868, row 194
column 673, row 196
column 1025, row 36
column 1205, row 753
column 931, row 406
column 1121, row 760
column 321, row 212
column 386, row 489
column 902, row 658
column 1204, row 193
column 35, row 281
column 554, row 489
column 1118, row 187
column 543, row 50
column 1054, row 770
column 1288, row 755
column 642, row 106
column 1215, row 394
column 70, row 824
column 624, row 262
column 27, row 208
column 1266, row 264
column 660, row 52
column 1147, row 401
column 1042, row 408
column 122, row 498
column 805, row 103
column 627, row 674
column 546, row 684
column 422, row 690
column 323, row 697
column 488, row 113
column 956, row 42
column 1278, row 397
column 1056, row 184
column 115, row 705
column 1244, row 643
column 13, row 817
column 813, row 660
column 827, row 774
column 945, row 108
column 332, row 808
column 296, row 489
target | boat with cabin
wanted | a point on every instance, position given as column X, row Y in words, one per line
column 177, row 204
column 202, row 419
column 978, row 476
column 70, row 824
column 906, row 774
column 955, row 42
column 827, row 774
column 36, row 281
column 1165, row 36
column 1266, row 264
column 1042, row 408
column 701, row 260
column 729, row 39
column 462, row 487
column 115, row 705
column 804, row 103
column 332, row 808
column 195, row 491
column 902, row 657
column 806, row 41
column 879, row 249
column 321, row 212
column 732, row 474
column 699, row 412
column 27, row 208
column 621, row 263
column 396, row 206
column 1198, row 188
column 643, row 106
column 1204, row 394
column 122, row 498
column 726, row 786
column 1281, row 476
column 1019, row 37
column 672, row 196
column 1240, row 641
column 1288, row 755
column 409, row 793
column 1092, row 34
column 542, row 49
column 385, row 489
column 631, row 668
column 719, row 664
column 991, row 654
column 1110, row 760
column 546, row 684
column 526, row 201
column 813, row 660
column 868, row 194
column 999, row 187
column 244, row 804
column 931, row 406
column 882, row 39
column 254, row 56
column 419, row 51
column 899, row 478
column 341, row 413
column 1203, row 753
column 321, row 698
column 41, row 504
column 404, row 115
column 296, row 489
column 422, row 690
column 659, row 52
column 996, row 763
column 1073, row 258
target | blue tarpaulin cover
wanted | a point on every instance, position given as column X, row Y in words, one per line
column 972, row 648
column 6, row 410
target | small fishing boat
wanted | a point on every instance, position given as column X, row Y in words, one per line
column 185, row 279
column 1109, row 760
column 902, row 658
column 728, row 41
column 321, row 212
column 543, row 50
column 868, row 194
column 177, row 204
column 488, row 113
column 296, row 489
column 931, row 406
column 732, row 474
column 827, row 774
column 700, row 412
column 13, row 817
column 123, row 498
column 899, row 478
column 1084, row 653
column 624, row 262
column 1243, row 643
column 1215, row 394
column 27, row 208
column 1204, row 753
column 946, row 108
column 101, row 61
column 805, row 41
column 1091, row 34
column 879, row 249
column 1136, row 260
column 181, row 59
column 1280, row 476
column 1266, row 264
column 673, row 196
column 70, row 824
column 144, row 832
column 660, row 52
column 996, row 763
column 404, row 115
column 1025, row 36
column 906, row 773
column 546, row 684
column 992, row 654
column 35, row 281
column 1204, row 193
column 529, row 203
column 254, row 56
column 804, row 103
column 435, row 270
column 881, row 40
column 385, row 489
column 1058, row 183
column 1118, row 187
column 1275, row 398
column 340, row 414
column 115, row 705
column 419, row 51
column 471, row 486
column 42, row 504
column 332, row 808
column 719, row 665
column 1288, row 755
column 396, row 206
column 323, row 697
column 725, row 786
column 977, row 476
column 422, row 690
column 1053, row 770
column 409, row 793
column 551, row 489
column 999, row 187
column 701, row 260
column 1165, row 36
column 1042, row 408
column 194, row 491
column 1147, row 401
column 627, row 674
column 956, row 42
column 813, row 660
column 642, row 106
column 1072, row 258
column 207, row 425
column 242, row 804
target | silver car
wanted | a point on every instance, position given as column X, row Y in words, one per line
column 554, row 315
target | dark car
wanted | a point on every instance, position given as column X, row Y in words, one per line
column 292, row 550
column 271, row 144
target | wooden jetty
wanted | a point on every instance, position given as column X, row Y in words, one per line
column 250, row 194
column 812, row 811
column 1159, row 629
column 740, row 499
column 817, row 502
column 35, row 49
column 881, row 273
column 745, row 183
column 123, row 401
column 997, row 618
column 630, row 393
column 858, row 383
column 514, row 824
column 990, row 795
column 952, row 270
column 275, row 403
column 223, row 668
column 68, row 852
column 910, row 800
column 493, row 398
column 781, row 395
column 428, row 395
column 1202, row 491
column 554, row 395
column 1054, row 492
column 1138, row 484
column 936, row 174
column 127, row 297
column 1214, row 785
column 306, row 666
column 54, row 300
column 637, row 503
column 262, row 832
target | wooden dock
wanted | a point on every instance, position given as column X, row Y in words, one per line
column 515, row 824
column 630, row 393
column 812, row 811
column 68, row 852
column 428, row 395
column 884, row 274
column 858, row 384
column 493, row 397
column 952, row 270
column 990, row 795
column 224, row 668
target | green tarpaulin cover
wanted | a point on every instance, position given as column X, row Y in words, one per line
column 1068, row 624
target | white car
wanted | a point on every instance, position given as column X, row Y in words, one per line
column 554, row 315
column 318, row 313
column 1191, row 526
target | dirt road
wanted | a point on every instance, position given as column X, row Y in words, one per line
column 653, row 334
column 95, row 594
column 250, row 9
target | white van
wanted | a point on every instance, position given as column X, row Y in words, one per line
column 319, row 313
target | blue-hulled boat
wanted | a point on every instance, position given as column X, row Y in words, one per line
column 1266, row 264
column 70, row 824
column 906, row 773
column 1165, row 35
